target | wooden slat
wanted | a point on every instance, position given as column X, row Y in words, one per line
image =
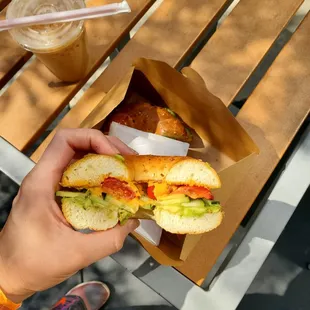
column 168, row 35
column 36, row 97
column 272, row 115
column 12, row 56
column 245, row 37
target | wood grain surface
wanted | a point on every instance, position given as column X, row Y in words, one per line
column 168, row 35
column 40, row 96
column 234, row 52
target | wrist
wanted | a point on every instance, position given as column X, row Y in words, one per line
column 8, row 285
column 9, row 291
column 7, row 304
column 16, row 299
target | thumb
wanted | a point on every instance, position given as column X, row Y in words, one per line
column 98, row 245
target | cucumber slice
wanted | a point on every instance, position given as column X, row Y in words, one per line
column 176, row 208
column 172, row 196
column 175, row 201
column 194, row 212
column 70, row 194
column 197, row 203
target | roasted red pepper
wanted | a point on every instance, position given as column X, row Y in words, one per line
column 150, row 192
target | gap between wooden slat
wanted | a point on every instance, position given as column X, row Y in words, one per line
column 168, row 35
column 36, row 96
column 272, row 116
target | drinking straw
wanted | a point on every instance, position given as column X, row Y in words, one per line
column 66, row 16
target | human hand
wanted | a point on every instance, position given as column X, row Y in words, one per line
column 38, row 248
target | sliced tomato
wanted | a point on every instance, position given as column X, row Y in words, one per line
column 194, row 192
column 118, row 188
column 150, row 192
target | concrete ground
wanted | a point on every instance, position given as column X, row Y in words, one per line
column 283, row 281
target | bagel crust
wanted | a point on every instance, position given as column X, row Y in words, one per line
column 91, row 171
column 125, row 173
column 150, row 167
column 176, row 224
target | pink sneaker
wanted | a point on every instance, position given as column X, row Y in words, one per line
column 85, row 296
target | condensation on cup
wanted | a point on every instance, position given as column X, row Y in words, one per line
column 61, row 47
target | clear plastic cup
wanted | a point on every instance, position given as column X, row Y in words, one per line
column 61, row 47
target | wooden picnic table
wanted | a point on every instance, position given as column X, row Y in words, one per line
column 175, row 33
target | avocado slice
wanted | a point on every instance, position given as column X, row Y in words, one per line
column 194, row 208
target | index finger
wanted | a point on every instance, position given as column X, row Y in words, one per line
column 64, row 145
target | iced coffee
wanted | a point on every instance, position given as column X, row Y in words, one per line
column 61, row 47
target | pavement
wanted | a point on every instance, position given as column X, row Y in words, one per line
column 283, row 281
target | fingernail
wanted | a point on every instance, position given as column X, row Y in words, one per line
column 135, row 152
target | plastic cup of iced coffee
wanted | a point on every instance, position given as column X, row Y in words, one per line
column 60, row 46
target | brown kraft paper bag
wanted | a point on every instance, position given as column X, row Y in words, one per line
column 217, row 136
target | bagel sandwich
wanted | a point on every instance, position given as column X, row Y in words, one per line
column 98, row 191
